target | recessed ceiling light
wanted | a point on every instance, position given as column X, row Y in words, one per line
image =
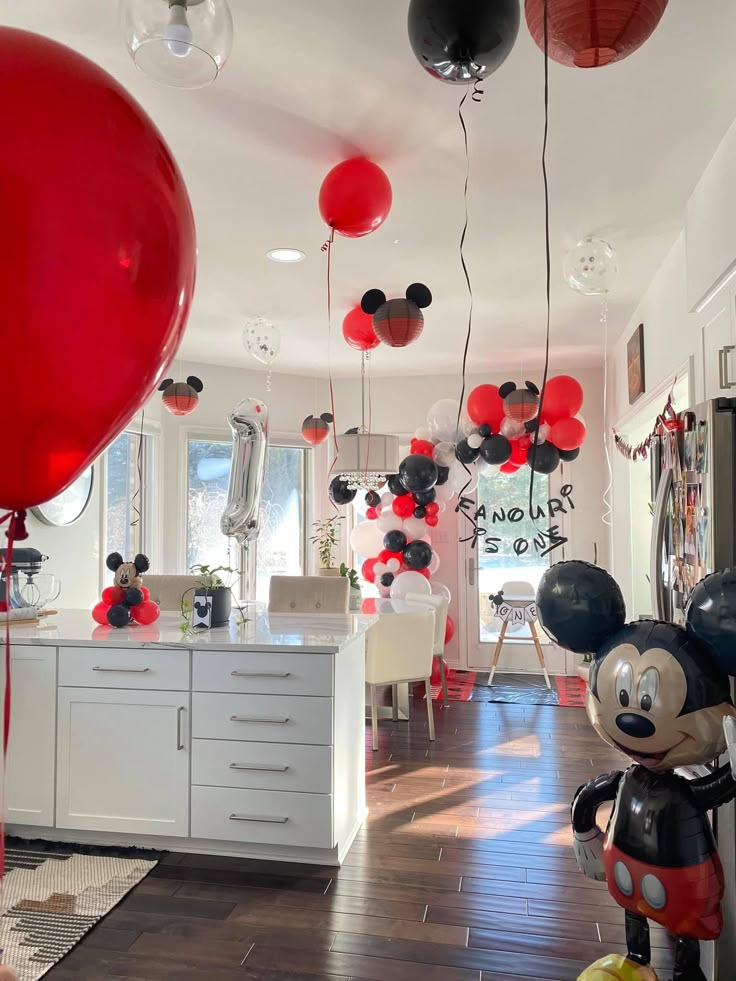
column 285, row 255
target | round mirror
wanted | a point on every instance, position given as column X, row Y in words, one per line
column 70, row 505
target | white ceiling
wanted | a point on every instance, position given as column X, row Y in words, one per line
column 311, row 82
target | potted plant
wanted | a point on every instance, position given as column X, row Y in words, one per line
column 356, row 596
column 210, row 582
column 327, row 537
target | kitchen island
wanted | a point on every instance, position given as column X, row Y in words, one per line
column 245, row 740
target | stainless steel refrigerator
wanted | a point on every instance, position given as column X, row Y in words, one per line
column 694, row 533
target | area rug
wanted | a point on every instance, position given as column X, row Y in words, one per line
column 530, row 689
column 53, row 894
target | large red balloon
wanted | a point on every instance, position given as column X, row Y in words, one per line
column 567, row 434
column 485, row 406
column 97, row 263
column 146, row 612
column 563, row 397
column 449, row 629
column 590, row 33
column 357, row 329
column 355, row 197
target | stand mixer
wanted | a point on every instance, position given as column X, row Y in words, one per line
column 28, row 585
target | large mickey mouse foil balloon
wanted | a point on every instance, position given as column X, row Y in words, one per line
column 661, row 694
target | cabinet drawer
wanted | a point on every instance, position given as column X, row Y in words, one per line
column 265, row 674
column 262, row 718
column 262, row 817
column 262, row 766
column 102, row 667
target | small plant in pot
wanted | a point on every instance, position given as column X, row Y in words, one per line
column 210, row 582
column 356, row 596
column 327, row 537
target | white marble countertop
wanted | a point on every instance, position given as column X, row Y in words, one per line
column 292, row 633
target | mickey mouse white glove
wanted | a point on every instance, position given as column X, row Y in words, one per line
column 588, row 846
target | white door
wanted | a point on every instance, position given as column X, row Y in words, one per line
column 123, row 761
column 718, row 350
column 32, row 746
column 512, row 547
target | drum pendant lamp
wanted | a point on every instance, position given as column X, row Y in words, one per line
column 592, row 33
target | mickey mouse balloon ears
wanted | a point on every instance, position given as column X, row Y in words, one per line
column 397, row 322
column 181, row 398
column 316, row 430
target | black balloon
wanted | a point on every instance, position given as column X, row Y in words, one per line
column 118, row 615
column 443, row 475
column 387, row 579
column 418, row 473
column 340, row 492
column 711, row 617
column 567, row 456
column 458, row 41
column 395, row 486
column 496, row 449
column 394, row 541
column 372, row 499
column 543, row 458
column 485, row 430
column 133, row 596
column 420, row 512
column 580, row 606
column 417, row 555
column 465, row 452
column 427, row 497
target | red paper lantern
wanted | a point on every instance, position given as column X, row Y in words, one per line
column 180, row 403
column 398, row 322
column 355, row 197
column 357, row 329
column 485, row 406
column 591, row 33
column 316, row 430
column 567, row 434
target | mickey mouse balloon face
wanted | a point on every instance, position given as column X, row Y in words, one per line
column 397, row 322
column 181, row 398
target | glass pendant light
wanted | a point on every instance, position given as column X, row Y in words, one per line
column 183, row 43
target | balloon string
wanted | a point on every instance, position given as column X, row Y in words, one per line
column 546, row 246
column 268, row 379
column 478, row 92
column 607, row 502
column 327, row 247
column 139, row 468
column 363, row 362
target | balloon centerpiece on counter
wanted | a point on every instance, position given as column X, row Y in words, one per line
column 127, row 600
column 660, row 693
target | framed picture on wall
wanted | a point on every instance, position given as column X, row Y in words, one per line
column 635, row 364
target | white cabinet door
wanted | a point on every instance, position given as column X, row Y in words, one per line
column 123, row 761
column 32, row 746
column 718, row 350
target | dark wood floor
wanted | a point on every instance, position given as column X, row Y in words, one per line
column 464, row 872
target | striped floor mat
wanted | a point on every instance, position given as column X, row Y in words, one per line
column 53, row 894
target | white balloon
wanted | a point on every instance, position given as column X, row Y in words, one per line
column 393, row 566
column 467, row 425
column 462, row 480
column 367, row 538
column 414, row 527
column 442, row 420
column 404, row 451
column 262, row 340
column 591, row 267
column 544, row 431
column 445, row 492
column 510, row 428
column 475, row 441
column 439, row 589
column 388, row 521
column 444, row 454
column 434, row 564
column 387, row 499
column 423, row 433
column 409, row 582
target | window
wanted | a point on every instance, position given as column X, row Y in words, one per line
column 496, row 491
column 127, row 504
column 280, row 548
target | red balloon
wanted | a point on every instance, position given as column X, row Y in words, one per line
column 357, row 329
column 96, row 267
column 518, row 453
column 432, row 508
column 112, row 595
column 567, row 434
column 367, row 570
column 146, row 612
column 99, row 613
column 422, row 446
column 355, row 197
column 432, row 520
column 508, row 467
column 384, row 556
column 368, row 605
column 589, row 33
column 563, row 397
column 371, row 513
column 404, row 505
column 422, row 572
column 146, row 592
column 449, row 629
column 485, row 406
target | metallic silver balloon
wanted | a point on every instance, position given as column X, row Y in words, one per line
column 242, row 516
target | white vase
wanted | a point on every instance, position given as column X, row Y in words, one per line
column 356, row 600
column 328, row 572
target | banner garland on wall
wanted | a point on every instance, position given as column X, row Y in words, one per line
column 666, row 420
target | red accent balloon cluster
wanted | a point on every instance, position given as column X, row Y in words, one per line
column 511, row 431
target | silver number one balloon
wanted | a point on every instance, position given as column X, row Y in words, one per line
column 242, row 516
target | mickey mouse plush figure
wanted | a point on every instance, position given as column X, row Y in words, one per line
column 128, row 599
column 661, row 694
column 397, row 322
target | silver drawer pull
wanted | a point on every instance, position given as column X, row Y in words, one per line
column 259, row 766
column 258, row 820
column 260, row 674
column 122, row 670
column 259, row 719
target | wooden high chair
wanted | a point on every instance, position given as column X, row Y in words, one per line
column 518, row 606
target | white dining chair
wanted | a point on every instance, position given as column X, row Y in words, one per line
column 309, row 594
column 519, row 594
column 440, row 605
column 169, row 591
column 399, row 650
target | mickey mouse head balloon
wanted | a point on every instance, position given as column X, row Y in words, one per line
column 316, row 430
column 181, row 398
column 397, row 322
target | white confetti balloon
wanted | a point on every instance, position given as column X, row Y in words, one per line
column 262, row 340
column 591, row 267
